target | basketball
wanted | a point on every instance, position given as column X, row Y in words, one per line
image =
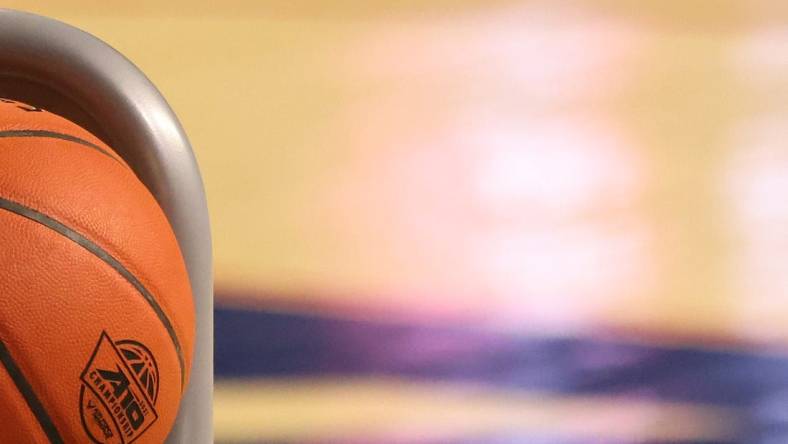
column 96, row 312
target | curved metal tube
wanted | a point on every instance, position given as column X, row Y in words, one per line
column 86, row 79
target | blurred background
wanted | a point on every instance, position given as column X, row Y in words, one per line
column 485, row 221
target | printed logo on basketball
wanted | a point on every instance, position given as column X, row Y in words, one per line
column 119, row 389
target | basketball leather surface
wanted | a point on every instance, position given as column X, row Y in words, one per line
column 96, row 314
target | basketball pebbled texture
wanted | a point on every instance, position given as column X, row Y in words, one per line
column 96, row 313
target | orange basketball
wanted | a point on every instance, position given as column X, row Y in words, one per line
column 96, row 313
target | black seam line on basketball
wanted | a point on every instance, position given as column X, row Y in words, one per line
column 102, row 254
column 55, row 135
column 24, row 387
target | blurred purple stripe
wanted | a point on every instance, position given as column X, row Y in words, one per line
column 498, row 439
column 255, row 344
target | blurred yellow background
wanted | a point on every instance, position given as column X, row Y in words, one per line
column 582, row 167
column 288, row 105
